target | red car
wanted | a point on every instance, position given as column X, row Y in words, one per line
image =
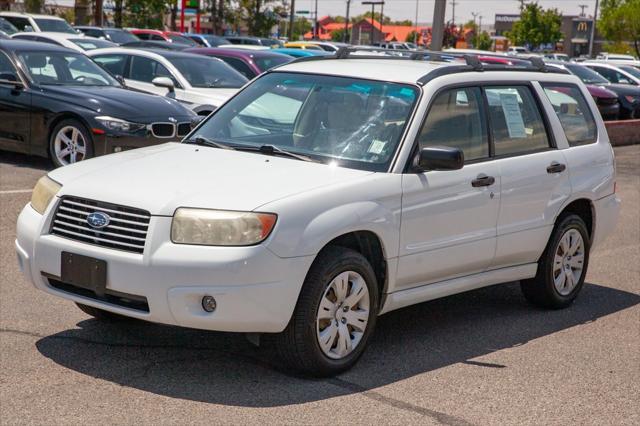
column 167, row 36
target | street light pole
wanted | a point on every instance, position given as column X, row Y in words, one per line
column 415, row 36
column 345, row 36
column 292, row 19
column 315, row 23
column 593, row 30
column 373, row 5
column 437, row 31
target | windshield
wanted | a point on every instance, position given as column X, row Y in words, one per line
column 631, row 70
column 90, row 43
column 267, row 62
column 343, row 121
column 215, row 41
column 54, row 25
column 64, row 69
column 120, row 37
column 7, row 27
column 204, row 72
column 588, row 76
column 181, row 40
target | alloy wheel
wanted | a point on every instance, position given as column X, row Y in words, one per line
column 69, row 145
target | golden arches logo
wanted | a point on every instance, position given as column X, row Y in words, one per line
column 582, row 26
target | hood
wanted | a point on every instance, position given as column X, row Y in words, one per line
column 623, row 89
column 119, row 102
column 164, row 177
column 601, row 92
column 213, row 96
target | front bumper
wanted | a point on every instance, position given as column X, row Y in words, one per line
column 255, row 290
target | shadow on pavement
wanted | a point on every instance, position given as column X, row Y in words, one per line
column 224, row 368
column 23, row 160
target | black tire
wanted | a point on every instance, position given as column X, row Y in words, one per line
column 71, row 122
column 297, row 346
column 102, row 315
column 541, row 290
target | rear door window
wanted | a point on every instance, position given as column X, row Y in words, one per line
column 517, row 126
column 146, row 69
column 115, row 64
column 573, row 111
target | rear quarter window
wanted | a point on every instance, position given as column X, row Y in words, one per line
column 573, row 112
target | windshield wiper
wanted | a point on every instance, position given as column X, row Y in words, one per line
column 201, row 140
column 274, row 150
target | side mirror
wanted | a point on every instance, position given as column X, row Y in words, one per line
column 197, row 120
column 165, row 82
column 10, row 79
column 439, row 158
column 120, row 79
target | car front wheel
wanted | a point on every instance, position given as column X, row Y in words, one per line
column 70, row 142
column 334, row 317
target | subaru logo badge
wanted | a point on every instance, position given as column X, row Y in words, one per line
column 98, row 220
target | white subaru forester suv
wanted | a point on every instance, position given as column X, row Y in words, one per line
column 328, row 192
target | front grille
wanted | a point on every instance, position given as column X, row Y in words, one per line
column 184, row 129
column 163, row 130
column 127, row 228
column 131, row 301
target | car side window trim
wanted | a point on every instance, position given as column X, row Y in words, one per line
column 482, row 85
column 16, row 69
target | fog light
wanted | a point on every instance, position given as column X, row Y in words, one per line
column 209, row 303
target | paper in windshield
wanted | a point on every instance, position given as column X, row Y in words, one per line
column 513, row 115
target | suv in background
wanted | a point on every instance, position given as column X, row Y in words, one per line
column 114, row 35
column 27, row 22
column 329, row 192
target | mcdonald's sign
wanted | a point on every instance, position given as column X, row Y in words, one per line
column 582, row 26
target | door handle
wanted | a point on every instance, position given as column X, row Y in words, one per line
column 483, row 180
column 556, row 167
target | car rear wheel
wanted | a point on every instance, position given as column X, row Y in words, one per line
column 562, row 267
column 70, row 142
column 102, row 315
column 334, row 317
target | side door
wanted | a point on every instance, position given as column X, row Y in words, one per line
column 115, row 63
column 534, row 175
column 15, row 108
column 143, row 70
column 449, row 218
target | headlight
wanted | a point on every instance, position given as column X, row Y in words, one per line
column 220, row 227
column 118, row 124
column 44, row 191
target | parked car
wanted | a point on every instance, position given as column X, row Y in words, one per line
column 300, row 53
column 607, row 100
column 615, row 57
column 254, row 41
column 58, row 103
column 168, row 36
column 7, row 28
column 561, row 57
column 164, row 45
column 329, row 46
column 114, row 35
column 373, row 185
column 207, row 40
column 77, row 42
column 299, row 45
column 37, row 23
column 249, row 63
column 619, row 74
column 201, row 82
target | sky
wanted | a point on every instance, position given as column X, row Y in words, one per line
column 406, row 9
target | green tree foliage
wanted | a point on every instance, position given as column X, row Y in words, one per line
column 483, row 41
column 412, row 37
column 33, row 6
column 619, row 22
column 144, row 13
column 337, row 35
column 536, row 26
column 302, row 26
column 259, row 16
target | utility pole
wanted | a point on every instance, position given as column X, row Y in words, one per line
column 292, row 19
column 97, row 13
column 453, row 11
column 437, row 31
column 345, row 36
column 476, row 30
column 415, row 37
column 315, row 23
column 593, row 30
column 582, row 8
column 480, row 24
column 373, row 5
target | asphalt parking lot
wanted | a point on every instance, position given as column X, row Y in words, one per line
column 484, row 357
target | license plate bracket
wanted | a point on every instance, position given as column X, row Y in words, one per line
column 84, row 271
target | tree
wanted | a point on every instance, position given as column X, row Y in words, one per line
column 33, row 6
column 451, row 35
column 337, row 35
column 144, row 13
column 483, row 41
column 620, row 21
column 536, row 26
column 412, row 37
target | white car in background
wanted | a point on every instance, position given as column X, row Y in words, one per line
column 77, row 42
column 38, row 23
column 619, row 73
column 202, row 82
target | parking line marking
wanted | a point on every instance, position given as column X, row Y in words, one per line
column 16, row 191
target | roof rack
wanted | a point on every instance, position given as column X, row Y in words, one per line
column 472, row 62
